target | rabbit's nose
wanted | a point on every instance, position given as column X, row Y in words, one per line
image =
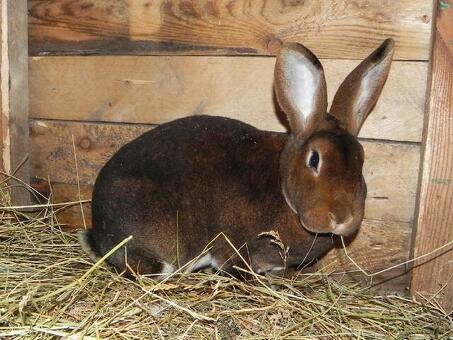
column 342, row 228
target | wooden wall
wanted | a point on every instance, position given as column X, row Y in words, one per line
column 333, row 28
column 148, row 62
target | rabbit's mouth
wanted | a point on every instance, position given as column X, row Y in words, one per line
column 345, row 228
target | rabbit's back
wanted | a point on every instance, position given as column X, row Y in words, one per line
column 194, row 153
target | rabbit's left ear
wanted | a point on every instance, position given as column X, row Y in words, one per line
column 360, row 91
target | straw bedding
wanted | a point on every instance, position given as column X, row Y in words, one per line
column 50, row 289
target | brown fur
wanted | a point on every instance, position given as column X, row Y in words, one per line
column 180, row 185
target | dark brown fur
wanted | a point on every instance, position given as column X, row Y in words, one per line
column 177, row 187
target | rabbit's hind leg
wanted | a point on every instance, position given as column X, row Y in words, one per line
column 133, row 262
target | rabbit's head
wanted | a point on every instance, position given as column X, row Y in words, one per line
column 321, row 164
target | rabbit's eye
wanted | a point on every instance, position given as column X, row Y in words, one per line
column 314, row 160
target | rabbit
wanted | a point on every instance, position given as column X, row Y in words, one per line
column 184, row 183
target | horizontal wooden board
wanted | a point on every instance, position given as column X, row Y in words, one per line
column 154, row 90
column 391, row 169
column 69, row 214
column 379, row 244
column 333, row 29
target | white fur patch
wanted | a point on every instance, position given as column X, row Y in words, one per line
column 202, row 262
column 215, row 264
column 368, row 87
column 304, row 81
column 86, row 246
column 167, row 270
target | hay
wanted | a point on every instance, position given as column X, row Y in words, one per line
column 50, row 289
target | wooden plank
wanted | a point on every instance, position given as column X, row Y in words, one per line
column 68, row 215
column 333, row 29
column 53, row 151
column 14, row 96
column 391, row 173
column 154, row 90
column 435, row 218
column 391, row 169
column 379, row 245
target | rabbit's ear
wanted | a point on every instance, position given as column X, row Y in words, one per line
column 300, row 87
column 360, row 91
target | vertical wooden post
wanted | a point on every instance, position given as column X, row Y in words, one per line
column 14, row 96
column 435, row 214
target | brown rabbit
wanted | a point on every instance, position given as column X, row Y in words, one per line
column 177, row 187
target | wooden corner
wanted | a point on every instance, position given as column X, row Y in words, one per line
column 434, row 274
column 14, row 98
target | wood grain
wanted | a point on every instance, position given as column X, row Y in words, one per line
column 333, row 29
column 67, row 215
column 53, row 150
column 391, row 169
column 14, row 97
column 154, row 90
column 379, row 245
column 435, row 218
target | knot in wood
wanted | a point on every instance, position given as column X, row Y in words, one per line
column 85, row 143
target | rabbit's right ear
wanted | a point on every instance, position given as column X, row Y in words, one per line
column 300, row 87
column 360, row 90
